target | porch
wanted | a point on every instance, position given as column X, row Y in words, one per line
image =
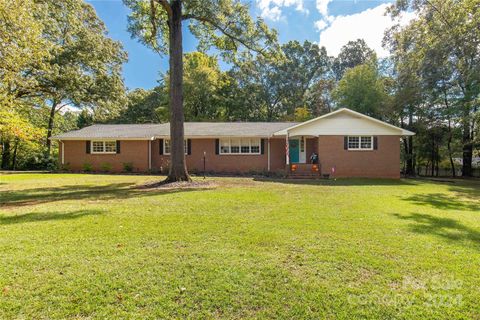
column 302, row 159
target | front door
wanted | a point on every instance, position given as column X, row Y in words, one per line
column 294, row 150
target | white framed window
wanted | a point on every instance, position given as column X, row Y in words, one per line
column 104, row 146
column 240, row 146
column 167, row 147
column 360, row 143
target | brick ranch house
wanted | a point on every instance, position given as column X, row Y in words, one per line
column 348, row 144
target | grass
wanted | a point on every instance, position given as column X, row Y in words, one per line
column 93, row 246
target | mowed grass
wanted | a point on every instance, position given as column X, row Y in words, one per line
column 95, row 246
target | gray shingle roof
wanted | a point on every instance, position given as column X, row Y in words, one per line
column 192, row 129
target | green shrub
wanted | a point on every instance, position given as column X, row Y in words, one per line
column 106, row 167
column 65, row 167
column 127, row 166
column 87, row 167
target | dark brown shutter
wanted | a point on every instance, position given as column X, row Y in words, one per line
column 189, row 146
column 160, row 146
column 345, row 143
column 217, row 146
column 375, row 143
column 118, row 146
column 87, row 146
column 262, row 146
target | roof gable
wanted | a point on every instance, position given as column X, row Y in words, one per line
column 344, row 122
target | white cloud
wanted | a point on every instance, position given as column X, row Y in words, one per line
column 320, row 24
column 322, row 7
column 272, row 9
column 369, row 25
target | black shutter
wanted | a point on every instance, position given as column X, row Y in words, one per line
column 262, row 146
column 118, row 146
column 189, row 146
column 217, row 146
column 345, row 143
column 375, row 143
column 160, row 146
column 87, row 146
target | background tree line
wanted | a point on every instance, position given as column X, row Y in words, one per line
column 429, row 84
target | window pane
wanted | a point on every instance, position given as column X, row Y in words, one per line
column 235, row 145
column 224, row 146
column 185, row 146
column 353, row 142
column 97, row 146
column 366, row 142
column 255, row 145
column 245, row 146
column 110, row 146
column 166, row 146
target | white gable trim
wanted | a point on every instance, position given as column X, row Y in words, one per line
column 401, row 130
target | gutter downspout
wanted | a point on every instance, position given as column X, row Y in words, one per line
column 287, row 150
column 150, row 154
column 268, row 154
column 63, row 152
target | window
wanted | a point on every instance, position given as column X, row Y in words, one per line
column 235, row 146
column 240, row 146
column 166, row 146
column 104, row 147
column 360, row 143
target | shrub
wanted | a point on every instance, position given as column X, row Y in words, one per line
column 127, row 166
column 106, row 167
column 87, row 167
column 65, row 167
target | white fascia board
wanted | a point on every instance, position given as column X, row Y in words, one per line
column 401, row 130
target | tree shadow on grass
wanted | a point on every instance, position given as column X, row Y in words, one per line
column 25, row 197
column 338, row 182
column 442, row 227
column 443, row 202
column 47, row 216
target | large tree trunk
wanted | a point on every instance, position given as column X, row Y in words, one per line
column 6, row 155
column 178, row 168
column 408, row 143
column 467, row 149
column 449, row 147
column 50, row 126
column 14, row 160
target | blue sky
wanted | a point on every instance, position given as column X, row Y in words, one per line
column 330, row 23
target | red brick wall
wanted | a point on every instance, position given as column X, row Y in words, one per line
column 381, row 163
column 134, row 151
column 224, row 163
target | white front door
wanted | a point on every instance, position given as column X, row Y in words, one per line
column 303, row 152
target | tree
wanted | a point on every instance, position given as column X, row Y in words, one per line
column 260, row 88
column 202, row 80
column 15, row 129
column 84, row 65
column 362, row 89
column 225, row 24
column 145, row 106
column 445, row 37
column 352, row 54
column 23, row 49
column 305, row 65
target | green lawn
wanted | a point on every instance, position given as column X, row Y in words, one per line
column 94, row 246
